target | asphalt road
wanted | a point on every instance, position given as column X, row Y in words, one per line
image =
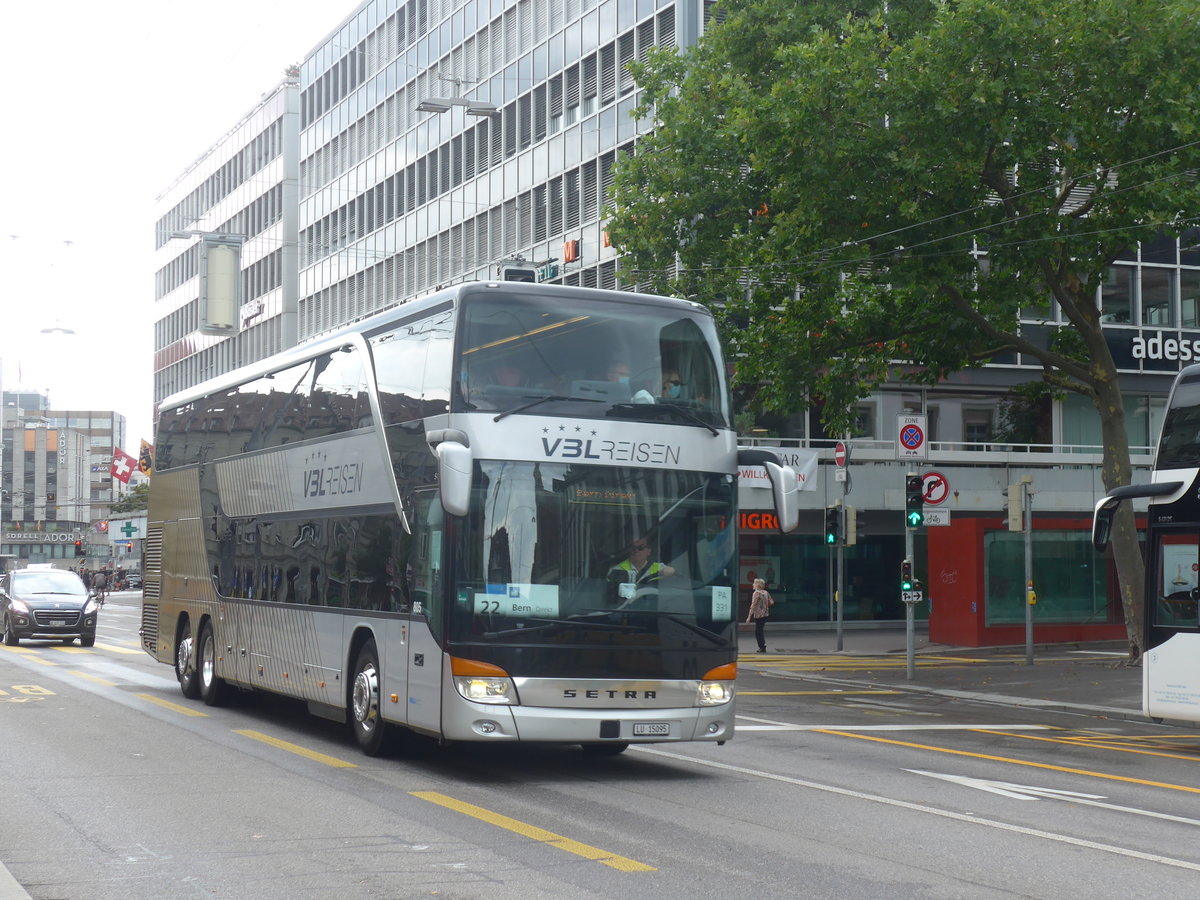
column 115, row 786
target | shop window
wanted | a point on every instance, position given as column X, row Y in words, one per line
column 1068, row 576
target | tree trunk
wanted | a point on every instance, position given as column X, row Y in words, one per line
column 1118, row 470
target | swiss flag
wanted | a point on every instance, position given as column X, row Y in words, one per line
column 123, row 465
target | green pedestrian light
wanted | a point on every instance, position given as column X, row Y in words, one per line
column 832, row 526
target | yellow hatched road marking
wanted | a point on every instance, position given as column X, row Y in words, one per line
column 67, row 648
column 1017, row 762
column 102, row 681
column 1099, row 743
column 295, row 748
column 174, row 707
column 532, row 832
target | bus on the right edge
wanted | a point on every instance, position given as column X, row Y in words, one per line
column 1171, row 627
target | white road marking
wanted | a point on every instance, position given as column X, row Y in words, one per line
column 1029, row 792
column 930, row 810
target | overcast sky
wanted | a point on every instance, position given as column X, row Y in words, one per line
column 105, row 104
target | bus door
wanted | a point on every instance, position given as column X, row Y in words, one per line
column 424, row 648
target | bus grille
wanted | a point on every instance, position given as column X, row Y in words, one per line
column 150, row 627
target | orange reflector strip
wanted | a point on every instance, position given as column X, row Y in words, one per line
column 727, row 672
column 460, row 666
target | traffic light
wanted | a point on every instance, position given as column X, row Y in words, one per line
column 832, row 525
column 906, row 575
column 79, row 548
column 914, row 501
column 851, row 535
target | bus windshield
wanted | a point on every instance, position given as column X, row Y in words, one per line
column 1179, row 447
column 590, row 358
column 555, row 554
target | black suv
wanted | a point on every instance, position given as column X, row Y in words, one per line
column 45, row 602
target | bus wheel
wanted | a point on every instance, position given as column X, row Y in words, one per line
column 213, row 689
column 365, row 719
column 189, row 679
column 605, row 749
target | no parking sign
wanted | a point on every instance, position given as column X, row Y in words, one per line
column 911, row 443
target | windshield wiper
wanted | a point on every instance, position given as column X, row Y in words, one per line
column 532, row 403
column 557, row 623
column 670, row 617
column 686, row 414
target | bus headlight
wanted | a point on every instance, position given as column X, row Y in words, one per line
column 486, row 690
column 714, row 693
column 717, row 685
column 482, row 682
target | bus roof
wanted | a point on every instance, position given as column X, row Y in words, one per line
column 329, row 340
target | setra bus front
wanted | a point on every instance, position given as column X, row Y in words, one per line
column 586, row 525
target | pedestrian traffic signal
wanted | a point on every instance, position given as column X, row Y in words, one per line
column 79, row 548
column 906, row 575
column 914, row 501
column 832, row 525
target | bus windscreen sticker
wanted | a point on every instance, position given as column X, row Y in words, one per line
column 518, row 600
column 722, row 603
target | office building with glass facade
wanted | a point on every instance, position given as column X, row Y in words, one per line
column 444, row 140
column 244, row 185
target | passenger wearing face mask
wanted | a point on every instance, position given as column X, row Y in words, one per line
column 672, row 386
column 618, row 371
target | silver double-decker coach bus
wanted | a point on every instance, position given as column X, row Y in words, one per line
column 503, row 512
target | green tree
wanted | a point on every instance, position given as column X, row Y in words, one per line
column 876, row 194
column 137, row 499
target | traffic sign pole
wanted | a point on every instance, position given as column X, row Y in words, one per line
column 841, row 456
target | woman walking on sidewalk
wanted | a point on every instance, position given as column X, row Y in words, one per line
column 761, row 602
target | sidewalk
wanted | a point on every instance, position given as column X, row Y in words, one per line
column 1087, row 678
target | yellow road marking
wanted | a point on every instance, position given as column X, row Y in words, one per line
column 115, row 649
column 807, row 694
column 532, row 832
column 295, row 748
column 1098, row 742
column 102, row 681
column 67, row 648
column 174, row 707
column 1016, row 762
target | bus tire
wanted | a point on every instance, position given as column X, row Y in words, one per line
column 605, row 749
column 185, row 669
column 363, row 712
column 213, row 689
